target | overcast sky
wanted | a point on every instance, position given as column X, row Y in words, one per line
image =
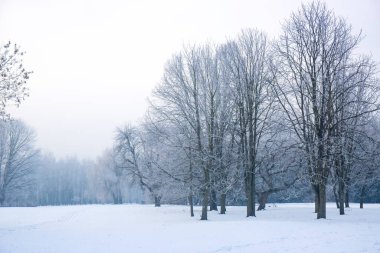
column 96, row 62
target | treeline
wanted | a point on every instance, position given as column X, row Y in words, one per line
column 247, row 121
column 44, row 180
column 30, row 178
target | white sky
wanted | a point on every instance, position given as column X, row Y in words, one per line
column 96, row 62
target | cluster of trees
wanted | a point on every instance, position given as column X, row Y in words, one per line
column 252, row 117
column 32, row 178
column 240, row 122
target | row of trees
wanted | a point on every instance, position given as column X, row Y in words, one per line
column 30, row 178
column 35, row 179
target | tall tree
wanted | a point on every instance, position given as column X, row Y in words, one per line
column 250, row 78
column 315, row 48
column 179, row 100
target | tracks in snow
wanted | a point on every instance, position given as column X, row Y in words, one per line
column 65, row 218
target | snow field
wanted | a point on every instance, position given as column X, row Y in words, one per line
column 144, row 228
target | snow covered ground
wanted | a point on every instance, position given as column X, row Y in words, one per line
column 144, row 228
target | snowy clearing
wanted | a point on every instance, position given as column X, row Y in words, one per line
column 144, row 228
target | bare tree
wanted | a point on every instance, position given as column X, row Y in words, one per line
column 357, row 91
column 173, row 146
column 179, row 98
column 139, row 161
column 247, row 60
column 314, row 50
column 17, row 155
column 364, row 173
column 113, row 175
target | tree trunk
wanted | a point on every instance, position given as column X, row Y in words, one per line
column 191, row 202
column 157, row 201
column 341, row 196
column 223, row 203
column 2, row 198
column 204, row 203
column 362, row 195
column 119, row 197
column 252, row 141
column 347, row 201
column 316, row 198
column 251, row 196
column 322, row 201
column 251, row 182
column 336, row 196
column 213, row 203
column 263, row 198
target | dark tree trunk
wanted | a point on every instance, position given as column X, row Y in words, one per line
column 347, row 201
column 206, row 172
column 213, row 201
column 336, row 197
column 316, row 198
column 204, row 203
column 223, row 203
column 2, row 199
column 157, row 201
column 191, row 202
column 252, row 141
column 251, row 188
column 362, row 195
column 251, row 196
column 322, row 201
column 263, row 198
column 341, row 196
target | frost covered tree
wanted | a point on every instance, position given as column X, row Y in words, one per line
column 113, row 175
column 247, row 59
column 13, row 77
column 17, row 158
column 176, row 162
column 352, row 110
column 315, row 59
column 194, row 100
column 364, row 173
column 136, row 156
column 179, row 99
